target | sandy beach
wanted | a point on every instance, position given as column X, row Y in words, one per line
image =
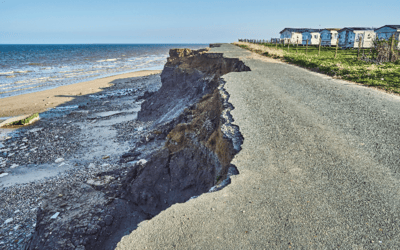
column 43, row 100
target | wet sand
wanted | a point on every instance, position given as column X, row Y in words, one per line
column 43, row 100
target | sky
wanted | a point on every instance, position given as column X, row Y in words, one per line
column 179, row 21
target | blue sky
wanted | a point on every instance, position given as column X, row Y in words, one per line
column 178, row 21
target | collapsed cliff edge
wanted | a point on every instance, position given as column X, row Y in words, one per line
column 192, row 143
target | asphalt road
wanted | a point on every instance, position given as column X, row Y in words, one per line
column 319, row 169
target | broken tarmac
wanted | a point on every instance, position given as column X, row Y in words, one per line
column 319, row 168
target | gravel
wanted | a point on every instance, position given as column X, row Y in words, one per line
column 56, row 152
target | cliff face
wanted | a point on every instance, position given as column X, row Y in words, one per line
column 197, row 153
column 187, row 76
column 195, row 143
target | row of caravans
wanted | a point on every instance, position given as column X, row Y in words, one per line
column 348, row 37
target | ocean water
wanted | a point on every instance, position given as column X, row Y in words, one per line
column 31, row 68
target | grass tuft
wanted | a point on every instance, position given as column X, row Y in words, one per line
column 24, row 121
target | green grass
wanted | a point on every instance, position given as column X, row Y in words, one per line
column 243, row 46
column 24, row 121
column 345, row 66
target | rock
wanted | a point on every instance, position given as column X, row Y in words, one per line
column 130, row 154
column 128, row 157
column 16, row 227
column 59, row 160
column 232, row 170
column 142, row 162
column 55, row 215
column 8, row 221
column 14, row 165
column 102, row 181
column 3, row 174
column 92, row 165
column 220, row 186
column 86, row 219
column 35, row 130
column 108, row 220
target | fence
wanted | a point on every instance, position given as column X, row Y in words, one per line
column 382, row 50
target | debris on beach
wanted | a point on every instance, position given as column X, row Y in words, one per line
column 14, row 165
column 20, row 120
column 8, row 221
column 58, row 160
column 55, row 215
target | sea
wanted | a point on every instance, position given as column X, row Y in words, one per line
column 31, row 68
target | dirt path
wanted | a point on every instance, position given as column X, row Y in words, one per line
column 319, row 169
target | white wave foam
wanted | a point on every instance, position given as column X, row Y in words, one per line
column 7, row 73
column 109, row 60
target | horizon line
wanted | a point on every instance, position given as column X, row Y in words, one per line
column 90, row 43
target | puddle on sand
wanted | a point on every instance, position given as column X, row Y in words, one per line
column 24, row 174
column 99, row 135
column 105, row 114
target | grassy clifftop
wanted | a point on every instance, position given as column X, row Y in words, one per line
column 345, row 66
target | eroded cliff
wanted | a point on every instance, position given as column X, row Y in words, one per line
column 192, row 143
